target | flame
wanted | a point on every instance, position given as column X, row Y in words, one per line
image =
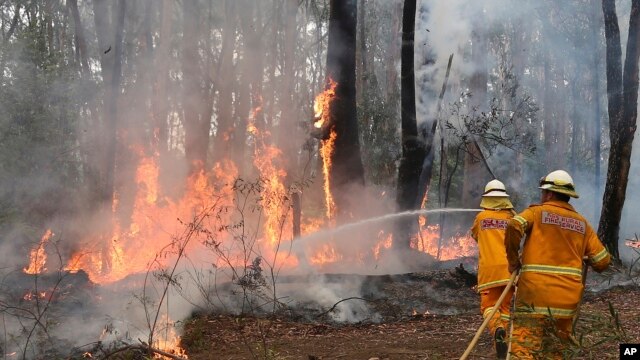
column 326, row 150
column 32, row 295
column 326, row 254
column 267, row 159
column 321, row 104
column 427, row 241
column 385, row 243
column 130, row 250
column 170, row 341
column 311, row 225
column 38, row 256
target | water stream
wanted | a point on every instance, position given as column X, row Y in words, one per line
column 350, row 226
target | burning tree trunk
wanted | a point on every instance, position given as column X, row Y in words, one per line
column 111, row 62
column 347, row 172
column 622, row 91
column 413, row 151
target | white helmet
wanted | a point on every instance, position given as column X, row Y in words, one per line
column 559, row 181
column 495, row 188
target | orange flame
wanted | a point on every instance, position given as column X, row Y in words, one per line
column 170, row 341
column 326, row 254
column 326, row 151
column 385, row 243
column 321, row 104
column 267, row 159
column 427, row 241
column 130, row 250
column 38, row 256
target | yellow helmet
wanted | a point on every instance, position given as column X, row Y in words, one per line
column 559, row 181
column 495, row 188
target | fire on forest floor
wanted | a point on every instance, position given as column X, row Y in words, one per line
column 401, row 335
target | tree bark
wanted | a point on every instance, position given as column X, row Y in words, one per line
column 475, row 175
column 347, row 173
column 289, row 131
column 81, row 44
column 595, row 100
column 429, row 135
column 224, row 76
column 397, row 26
column 195, row 126
column 361, row 56
column 622, row 91
column 112, row 103
column 413, row 151
column 159, row 100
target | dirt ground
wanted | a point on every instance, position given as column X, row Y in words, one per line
column 410, row 336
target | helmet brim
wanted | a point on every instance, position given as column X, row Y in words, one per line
column 560, row 190
column 496, row 193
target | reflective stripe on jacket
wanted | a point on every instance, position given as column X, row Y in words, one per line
column 557, row 240
column 488, row 230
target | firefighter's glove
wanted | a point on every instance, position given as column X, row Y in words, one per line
column 514, row 267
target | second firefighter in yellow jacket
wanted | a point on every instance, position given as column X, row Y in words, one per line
column 493, row 274
column 550, row 284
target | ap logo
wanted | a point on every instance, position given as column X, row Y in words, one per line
column 629, row 351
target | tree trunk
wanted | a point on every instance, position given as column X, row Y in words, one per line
column 398, row 16
column 112, row 103
column 347, row 173
column 159, row 100
column 475, row 175
column 196, row 139
column 224, row 76
column 595, row 100
column 413, row 151
column 361, row 57
column 429, row 135
column 622, row 91
column 289, row 132
column 81, row 45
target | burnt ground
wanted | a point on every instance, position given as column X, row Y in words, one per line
column 430, row 315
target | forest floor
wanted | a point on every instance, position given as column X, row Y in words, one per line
column 442, row 331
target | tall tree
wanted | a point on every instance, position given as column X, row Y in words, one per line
column 595, row 25
column 224, row 79
column 287, row 126
column 347, row 171
column 622, row 94
column 475, row 174
column 413, row 150
column 159, row 98
column 196, row 126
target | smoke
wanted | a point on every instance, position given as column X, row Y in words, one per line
column 52, row 145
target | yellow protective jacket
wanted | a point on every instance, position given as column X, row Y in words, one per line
column 551, row 274
column 488, row 230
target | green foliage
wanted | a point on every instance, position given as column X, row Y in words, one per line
column 39, row 168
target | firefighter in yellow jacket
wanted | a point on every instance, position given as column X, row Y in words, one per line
column 550, row 284
column 493, row 274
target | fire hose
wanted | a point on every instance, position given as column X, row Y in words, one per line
column 472, row 344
